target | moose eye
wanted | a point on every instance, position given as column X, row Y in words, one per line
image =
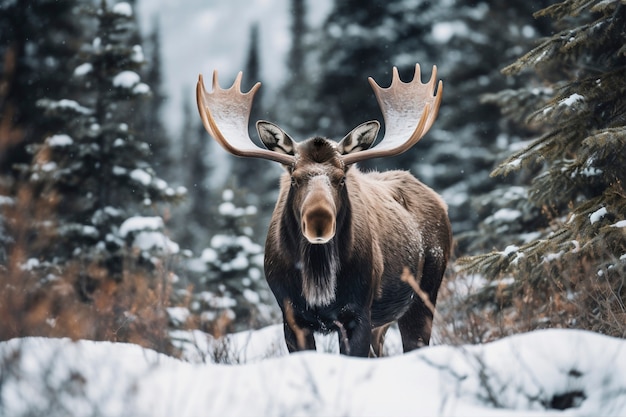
column 294, row 181
column 343, row 181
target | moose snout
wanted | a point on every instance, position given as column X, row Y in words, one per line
column 318, row 225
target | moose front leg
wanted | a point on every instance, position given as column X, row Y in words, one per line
column 297, row 338
column 355, row 335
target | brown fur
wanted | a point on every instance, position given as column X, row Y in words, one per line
column 385, row 222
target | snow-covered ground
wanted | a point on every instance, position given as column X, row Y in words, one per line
column 531, row 374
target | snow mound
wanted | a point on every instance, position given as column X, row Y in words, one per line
column 538, row 373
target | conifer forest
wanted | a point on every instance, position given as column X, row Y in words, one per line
column 119, row 226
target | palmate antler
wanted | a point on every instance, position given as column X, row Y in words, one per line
column 225, row 115
column 409, row 110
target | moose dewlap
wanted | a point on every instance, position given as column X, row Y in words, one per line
column 347, row 251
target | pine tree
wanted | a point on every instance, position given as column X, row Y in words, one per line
column 37, row 42
column 151, row 125
column 576, row 265
column 354, row 44
column 97, row 169
column 295, row 108
column 249, row 173
column 231, row 292
column 193, row 220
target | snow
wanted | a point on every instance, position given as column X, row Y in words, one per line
column 505, row 214
column 147, row 234
column 571, row 100
column 126, row 79
column 123, row 9
column 515, row 163
column 137, row 55
column 524, row 375
column 620, row 224
column 59, row 140
column 30, row 264
column 140, row 223
column 509, row 250
column 141, row 176
column 66, row 104
column 442, row 32
column 141, row 88
column 597, row 215
column 178, row 314
column 151, row 240
column 83, row 69
column 49, row 166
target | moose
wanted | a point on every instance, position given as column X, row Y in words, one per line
column 347, row 251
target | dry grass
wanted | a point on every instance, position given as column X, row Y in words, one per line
column 38, row 298
column 571, row 295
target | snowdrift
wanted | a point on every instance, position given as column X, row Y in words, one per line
column 550, row 372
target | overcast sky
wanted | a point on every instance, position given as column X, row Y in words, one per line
column 199, row 36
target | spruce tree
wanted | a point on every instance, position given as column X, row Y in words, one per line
column 295, row 107
column 37, row 42
column 151, row 124
column 193, row 221
column 571, row 273
column 230, row 293
column 97, row 168
column 251, row 174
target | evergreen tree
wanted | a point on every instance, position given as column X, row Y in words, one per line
column 230, row 290
column 577, row 264
column 248, row 173
column 354, row 44
column 151, row 125
column 37, row 42
column 255, row 177
column 193, row 220
column 295, row 106
column 96, row 170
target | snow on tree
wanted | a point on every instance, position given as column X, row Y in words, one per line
column 34, row 63
column 192, row 220
column 89, row 255
column 577, row 264
column 230, row 292
column 99, row 164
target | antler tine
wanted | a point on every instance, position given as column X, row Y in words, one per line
column 409, row 110
column 225, row 114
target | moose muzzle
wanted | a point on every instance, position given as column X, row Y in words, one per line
column 319, row 213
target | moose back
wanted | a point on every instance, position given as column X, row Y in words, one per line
column 347, row 251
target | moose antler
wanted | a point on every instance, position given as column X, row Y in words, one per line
column 409, row 110
column 225, row 114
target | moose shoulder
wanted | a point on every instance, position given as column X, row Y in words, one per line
column 341, row 242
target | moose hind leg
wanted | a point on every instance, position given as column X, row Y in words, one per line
column 415, row 326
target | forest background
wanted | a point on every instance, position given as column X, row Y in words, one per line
column 115, row 228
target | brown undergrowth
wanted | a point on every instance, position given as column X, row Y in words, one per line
column 42, row 298
column 570, row 294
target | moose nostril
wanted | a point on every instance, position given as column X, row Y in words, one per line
column 318, row 225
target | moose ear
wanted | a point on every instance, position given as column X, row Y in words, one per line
column 274, row 138
column 360, row 139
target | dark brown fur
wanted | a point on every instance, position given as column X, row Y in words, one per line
column 385, row 222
